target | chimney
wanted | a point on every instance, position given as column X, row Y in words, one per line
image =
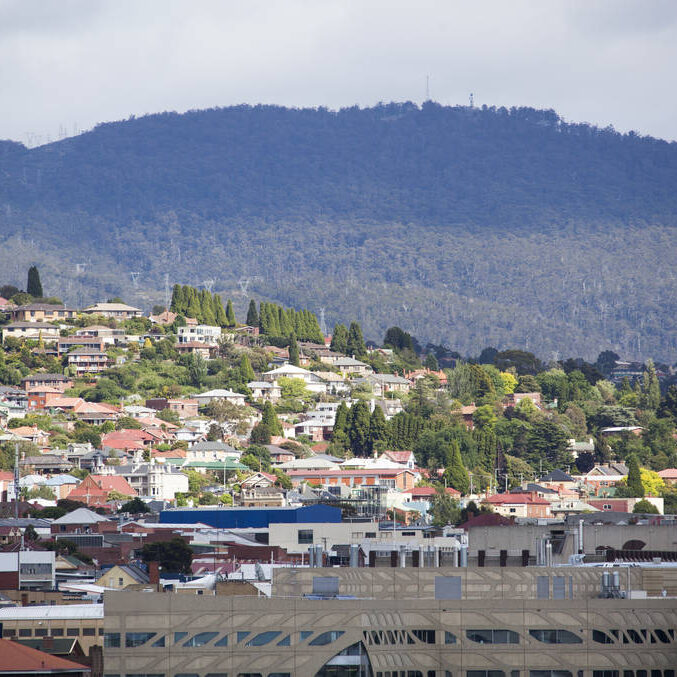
column 154, row 572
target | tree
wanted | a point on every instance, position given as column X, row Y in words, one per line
column 339, row 339
column 246, row 370
column 397, row 339
column 651, row 391
column 634, row 484
column 606, row 361
column 269, row 419
column 488, row 355
column 34, row 286
column 431, row 362
column 645, row 507
column 260, row 434
column 30, row 534
column 293, row 350
column 444, row 508
column 214, row 434
column 378, row 428
column 547, row 442
column 173, row 556
column 134, row 507
column 252, row 315
column 456, row 475
column 230, row 314
column 197, row 370
column 358, row 428
column 355, row 345
column 168, row 415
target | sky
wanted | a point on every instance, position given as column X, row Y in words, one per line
column 66, row 65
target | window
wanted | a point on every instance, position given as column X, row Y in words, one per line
column 186, row 674
column 159, row 642
column 601, row 637
column 543, row 587
column 304, row 634
column 326, row 585
column 89, row 632
column 449, row 638
column 111, row 640
column 25, row 632
column 427, row 636
column 41, row 632
column 133, row 639
column 178, row 636
column 201, row 639
column 263, row 638
column 305, row 536
column 279, row 674
column 325, row 638
column 447, row 587
column 222, row 642
column 286, row 641
column 370, row 534
column 57, row 632
column 606, row 673
column 9, row 633
column 216, row 674
column 485, row 673
column 549, row 673
column 242, row 634
column 555, row 636
column 493, row 636
column 558, row 587
column 408, row 533
column 249, row 674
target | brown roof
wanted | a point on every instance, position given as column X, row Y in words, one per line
column 17, row 658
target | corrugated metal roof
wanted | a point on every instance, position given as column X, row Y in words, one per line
column 56, row 612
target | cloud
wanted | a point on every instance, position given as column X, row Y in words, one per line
column 80, row 62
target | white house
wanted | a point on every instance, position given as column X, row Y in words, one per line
column 313, row 382
column 202, row 333
column 211, row 451
column 266, row 391
column 219, row 394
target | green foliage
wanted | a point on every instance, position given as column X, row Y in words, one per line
column 260, row 434
column 456, row 475
column 634, row 480
column 444, row 508
column 355, row 345
column 168, row 415
column 252, row 315
column 134, row 507
column 645, row 507
column 397, row 339
column 173, row 556
column 269, row 419
column 339, row 339
column 293, row 350
column 276, row 321
column 34, row 286
column 246, row 370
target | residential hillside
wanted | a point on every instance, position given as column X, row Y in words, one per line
column 465, row 226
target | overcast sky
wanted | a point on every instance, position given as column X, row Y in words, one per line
column 73, row 63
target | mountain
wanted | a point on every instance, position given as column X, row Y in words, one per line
column 465, row 226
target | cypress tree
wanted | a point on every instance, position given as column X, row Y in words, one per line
column 176, row 305
column 270, row 420
column 294, row 350
column 341, row 420
column 634, row 481
column 34, row 286
column 230, row 314
column 246, row 371
column 378, row 428
column 358, row 428
column 207, row 308
column 456, row 474
column 651, row 389
column 252, row 315
column 219, row 312
column 356, row 345
column 339, row 339
column 286, row 326
column 194, row 309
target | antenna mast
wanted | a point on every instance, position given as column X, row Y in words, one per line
column 427, row 88
column 472, row 100
column 166, row 291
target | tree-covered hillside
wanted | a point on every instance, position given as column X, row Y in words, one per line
column 466, row 226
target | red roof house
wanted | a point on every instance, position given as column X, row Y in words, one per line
column 18, row 659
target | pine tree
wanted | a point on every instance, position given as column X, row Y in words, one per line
column 207, row 308
column 356, row 345
column 246, row 371
column 456, row 474
column 358, row 428
column 339, row 339
column 252, row 315
column 194, row 309
column 230, row 314
column 294, row 350
column 651, row 391
column 634, row 481
column 270, row 420
column 378, row 428
column 34, row 286
column 341, row 420
column 176, row 306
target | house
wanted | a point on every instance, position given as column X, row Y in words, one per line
column 33, row 434
column 624, row 504
column 83, row 521
column 156, row 479
column 185, row 408
column 117, row 311
column 260, row 480
column 127, row 440
column 312, row 381
column 577, row 448
column 389, row 407
column 87, row 361
column 404, row 458
column 219, row 394
column 27, row 570
column 466, row 413
column 211, row 451
column 279, row 455
column 336, row 384
column 605, row 475
column 418, row 374
column 58, row 381
column 261, row 497
column 30, row 330
column 204, row 350
column 316, row 429
column 265, row 391
column 45, row 464
column 95, row 489
column 519, row 505
column 61, row 485
column 386, row 383
column 66, row 343
column 558, row 480
column 96, row 413
column 9, row 534
column 513, row 399
column 402, row 479
column 616, row 431
column 165, row 318
column 123, row 575
column 39, row 397
column 201, row 333
column 42, row 312
column 109, row 335
column 349, row 366
column 19, row 659
column 669, row 476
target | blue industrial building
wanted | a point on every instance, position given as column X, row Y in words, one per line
column 251, row 518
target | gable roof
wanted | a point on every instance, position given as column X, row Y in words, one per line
column 557, row 475
column 520, row 499
column 80, row 516
column 20, row 659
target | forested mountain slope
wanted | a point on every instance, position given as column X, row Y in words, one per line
column 466, row 226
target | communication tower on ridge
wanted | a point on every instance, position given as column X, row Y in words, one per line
column 472, row 100
column 135, row 279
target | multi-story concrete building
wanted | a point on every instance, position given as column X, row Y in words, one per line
column 428, row 622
